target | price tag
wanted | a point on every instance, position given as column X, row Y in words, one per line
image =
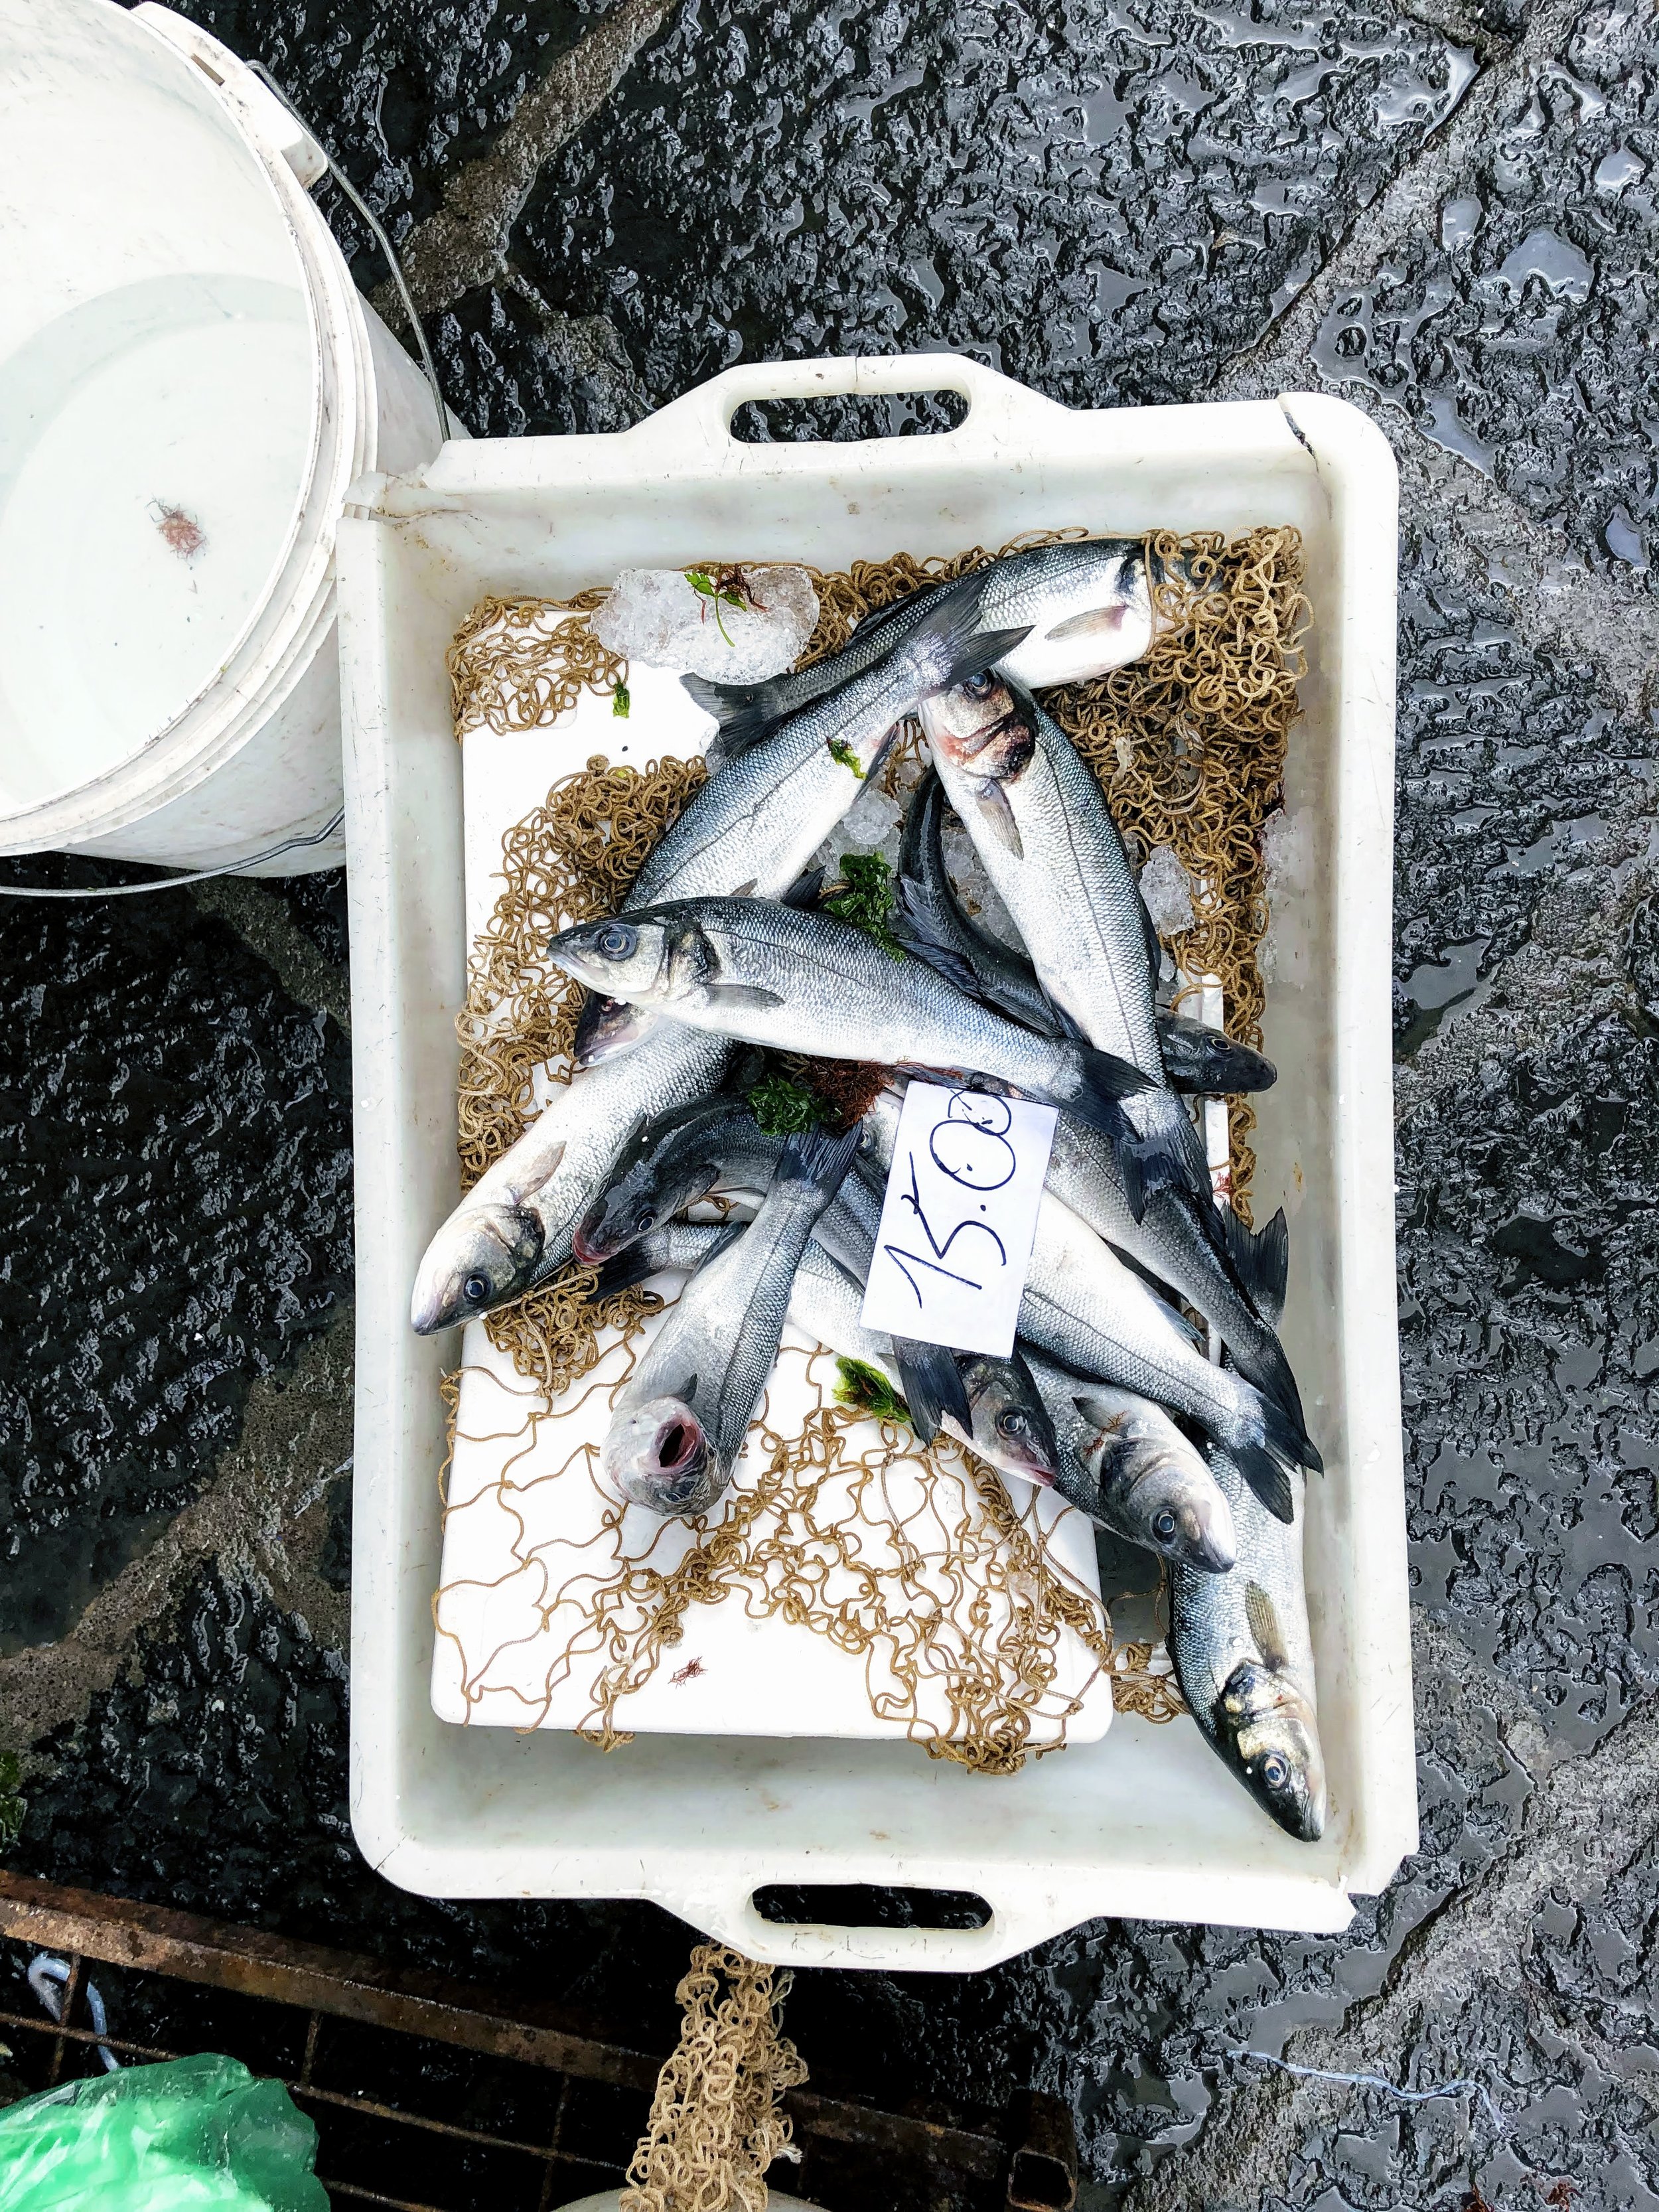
column 958, row 1219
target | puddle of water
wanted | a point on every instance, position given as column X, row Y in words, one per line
column 1442, row 992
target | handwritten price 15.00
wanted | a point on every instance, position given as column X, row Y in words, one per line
column 959, row 1217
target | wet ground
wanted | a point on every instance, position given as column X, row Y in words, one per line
column 1448, row 215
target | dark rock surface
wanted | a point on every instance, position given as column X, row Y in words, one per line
column 177, row 1211
column 1445, row 213
column 1519, row 336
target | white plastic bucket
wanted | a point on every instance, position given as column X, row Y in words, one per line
column 1147, row 1822
column 189, row 381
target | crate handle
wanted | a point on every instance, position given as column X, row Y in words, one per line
column 895, row 1950
column 997, row 405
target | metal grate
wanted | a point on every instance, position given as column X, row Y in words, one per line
column 429, row 2096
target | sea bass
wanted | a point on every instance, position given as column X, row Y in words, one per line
column 674, row 1160
column 1085, row 1174
column 1123, row 1463
column 1042, row 829
column 1095, row 1316
column 1244, row 1660
column 754, row 826
column 806, row 982
column 928, row 920
column 1008, row 1423
column 1087, row 606
column 514, row 1228
column 679, row 1425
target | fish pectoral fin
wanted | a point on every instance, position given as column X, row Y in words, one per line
column 997, row 816
column 746, row 889
column 543, row 1177
column 730, row 997
column 1262, row 1616
column 1093, row 622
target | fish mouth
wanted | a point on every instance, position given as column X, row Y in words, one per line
column 592, row 1250
column 1208, row 1546
column 1001, row 749
column 663, row 1459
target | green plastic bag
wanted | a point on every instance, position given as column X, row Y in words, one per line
column 169, row 2138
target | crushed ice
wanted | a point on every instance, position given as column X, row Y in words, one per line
column 733, row 625
column 1166, row 889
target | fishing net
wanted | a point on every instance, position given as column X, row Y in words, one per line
column 1189, row 745
column 716, row 2120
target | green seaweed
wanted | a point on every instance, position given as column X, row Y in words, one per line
column 620, row 701
column 727, row 589
column 868, row 1389
column 841, row 751
column 784, row 1107
column 866, row 898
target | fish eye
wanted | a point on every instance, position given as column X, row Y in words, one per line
column 979, row 686
column 1275, row 1770
column 1163, row 1524
column 1010, row 1422
column 616, row 940
column 645, row 1220
column 475, row 1289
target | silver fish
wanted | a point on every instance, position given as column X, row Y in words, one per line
column 679, row 1425
column 1123, row 1463
column 1223, row 1276
column 755, row 824
column 809, row 983
column 1086, row 1176
column 514, row 1228
column 1008, row 1424
column 1244, row 1660
column 1087, row 604
column 928, row 920
column 1011, row 1427
column 1048, row 843
column 676, row 1159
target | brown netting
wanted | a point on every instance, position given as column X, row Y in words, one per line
column 717, row 2120
column 1189, row 743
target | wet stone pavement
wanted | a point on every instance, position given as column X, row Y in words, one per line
column 1446, row 214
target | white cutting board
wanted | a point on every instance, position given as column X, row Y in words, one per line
column 531, row 1528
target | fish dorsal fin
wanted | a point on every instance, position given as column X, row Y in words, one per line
column 1262, row 1616
column 998, row 815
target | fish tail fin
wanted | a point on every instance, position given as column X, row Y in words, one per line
column 1162, row 1146
column 1092, row 1087
column 817, row 1160
column 1266, row 1478
column 932, row 1386
column 745, row 713
column 914, row 923
column 1288, row 1438
column 1261, row 1259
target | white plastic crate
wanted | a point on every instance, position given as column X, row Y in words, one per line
column 1147, row 1822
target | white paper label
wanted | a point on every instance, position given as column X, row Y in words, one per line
column 958, row 1219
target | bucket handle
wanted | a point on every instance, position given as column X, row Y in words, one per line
column 361, row 204
column 170, row 883
column 307, row 158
